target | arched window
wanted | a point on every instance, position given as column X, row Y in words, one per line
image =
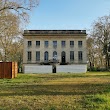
column 46, row 56
column 54, row 55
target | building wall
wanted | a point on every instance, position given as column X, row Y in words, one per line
column 59, row 48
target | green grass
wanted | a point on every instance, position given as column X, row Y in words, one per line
column 90, row 91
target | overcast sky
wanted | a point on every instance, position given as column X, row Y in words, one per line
column 67, row 14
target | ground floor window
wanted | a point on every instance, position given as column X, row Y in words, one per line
column 29, row 55
column 37, row 55
column 54, row 55
column 46, row 56
column 71, row 55
column 80, row 55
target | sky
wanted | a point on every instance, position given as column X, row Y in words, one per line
column 67, row 14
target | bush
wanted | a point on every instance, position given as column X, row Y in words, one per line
column 96, row 69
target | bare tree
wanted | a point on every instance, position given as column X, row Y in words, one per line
column 16, row 51
column 90, row 51
column 9, row 23
column 13, row 13
column 18, row 5
column 101, row 35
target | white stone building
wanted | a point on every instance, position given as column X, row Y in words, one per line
column 51, row 51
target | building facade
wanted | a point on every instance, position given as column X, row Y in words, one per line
column 47, row 51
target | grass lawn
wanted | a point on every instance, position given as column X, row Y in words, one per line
column 90, row 91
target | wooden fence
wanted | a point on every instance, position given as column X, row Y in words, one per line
column 8, row 69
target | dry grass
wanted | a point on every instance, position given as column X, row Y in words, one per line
column 90, row 91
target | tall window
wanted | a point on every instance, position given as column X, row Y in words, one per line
column 46, row 56
column 29, row 55
column 37, row 43
column 29, row 43
column 80, row 43
column 63, row 43
column 37, row 55
column 54, row 43
column 46, row 43
column 54, row 55
column 71, row 55
column 71, row 43
column 80, row 55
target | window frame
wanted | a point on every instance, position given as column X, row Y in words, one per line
column 80, row 43
column 55, row 55
column 46, row 56
column 80, row 55
column 71, row 55
column 46, row 44
column 37, row 43
column 54, row 44
column 29, row 56
column 71, row 43
column 38, row 54
column 29, row 43
column 63, row 43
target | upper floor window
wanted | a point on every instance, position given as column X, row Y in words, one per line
column 29, row 55
column 37, row 43
column 29, row 43
column 71, row 55
column 80, row 55
column 71, row 43
column 80, row 43
column 63, row 43
column 37, row 55
column 54, row 43
column 46, row 43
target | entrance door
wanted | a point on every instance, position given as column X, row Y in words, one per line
column 63, row 57
column 54, row 69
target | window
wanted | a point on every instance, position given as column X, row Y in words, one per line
column 54, row 43
column 29, row 56
column 46, row 56
column 46, row 43
column 80, row 55
column 37, row 43
column 79, row 43
column 63, row 43
column 37, row 55
column 71, row 43
column 71, row 55
column 29, row 43
column 54, row 55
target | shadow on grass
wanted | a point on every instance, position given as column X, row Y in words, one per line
column 70, row 89
column 61, row 76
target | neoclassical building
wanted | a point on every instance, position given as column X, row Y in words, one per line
column 51, row 51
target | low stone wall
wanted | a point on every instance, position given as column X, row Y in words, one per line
column 37, row 69
column 76, row 68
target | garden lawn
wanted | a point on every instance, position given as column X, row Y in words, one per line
column 90, row 91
